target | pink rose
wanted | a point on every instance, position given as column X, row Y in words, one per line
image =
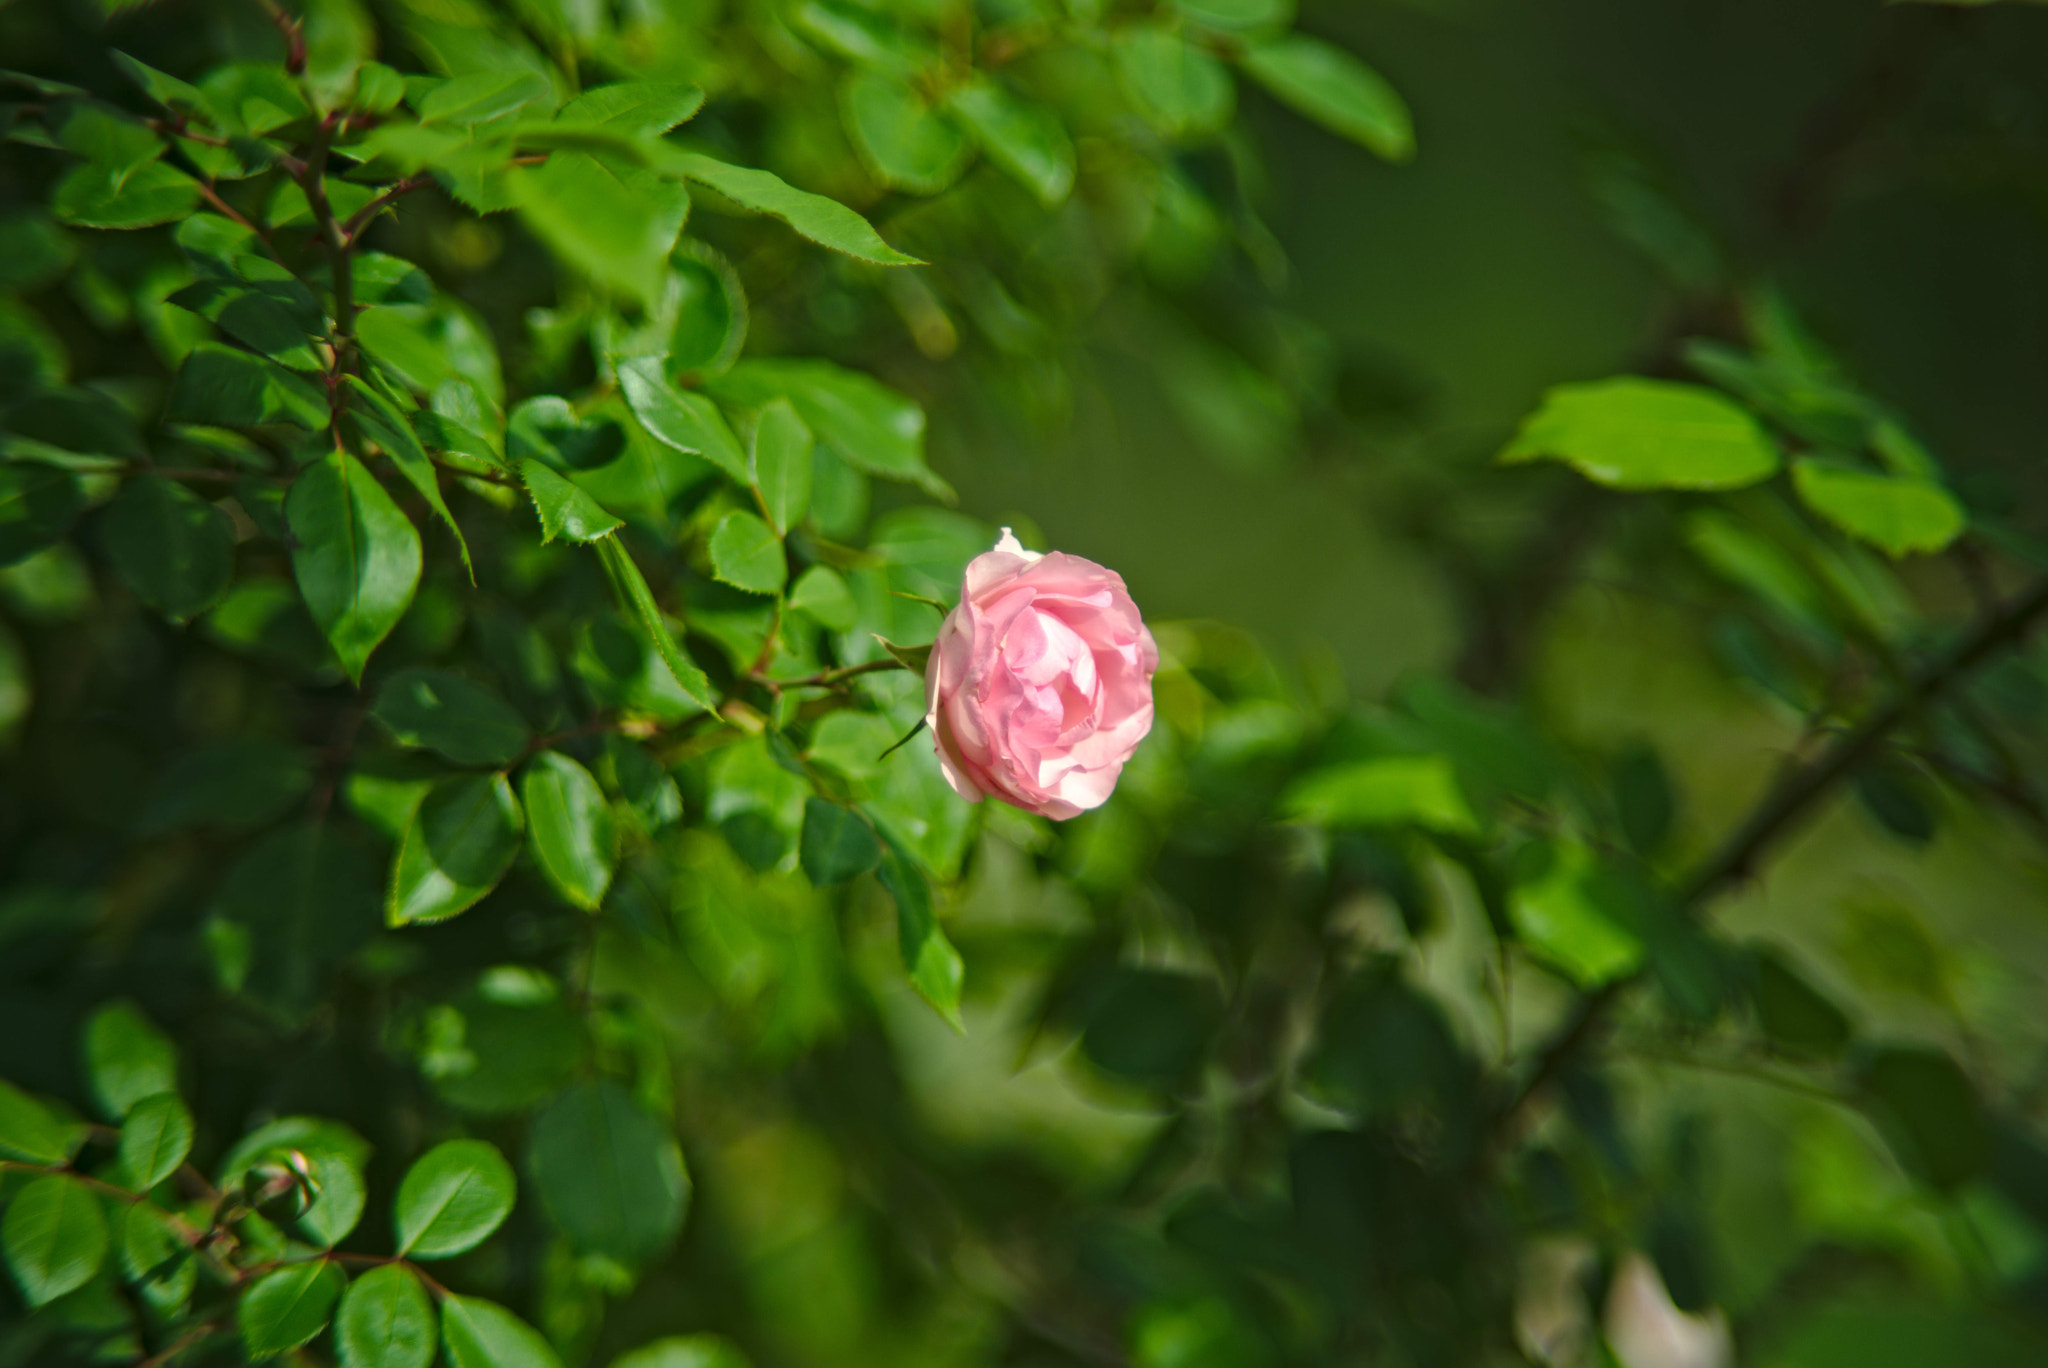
column 1039, row 685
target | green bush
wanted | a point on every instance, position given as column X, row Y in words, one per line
column 468, row 537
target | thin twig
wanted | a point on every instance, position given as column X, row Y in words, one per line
column 360, row 219
column 830, row 679
column 179, row 1345
column 1777, row 816
column 1734, row 1068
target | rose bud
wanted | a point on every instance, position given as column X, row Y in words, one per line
column 282, row 1188
column 1039, row 685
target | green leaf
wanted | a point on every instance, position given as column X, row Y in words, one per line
column 153, row 1257
column 386, row 1321
column 110, row 139
column 782, row 464
column 69, row 423
column 653, row 626
column 38, row 504
column 1382, row 1048
column 462, row 838
column 165, row 89
column 34, row 251
column 608, row 1175
column 1026, row 140
column 466, row 101
column 746, row 553
column 357, row 558
column 683, row 419
column 824, row 221
column 444, row 712
column 1152, row 1027
column 271, row 321
column 1238, row 15
column 409, row 341
column 452, row 1199
column 379, row 89
column 684, row 1351
column 546, row 428
column 1899, row 515
column 627, row 769
column 1932, row 1112
column 564, row 508
column 823, row 595
column 570, row 828
column 1337, row 90
column 904, row 138
column 284, row 1309
column 864, row 36
column 29, row 1131
column 616, row 225
column 155, row 1139
column 381, row 279
column 711, row 313
column 1795, row 1016
column 312, row 1134
column 642, row 108
column 521, row 1039
column 1392, row 790
column 865, row 423
column 222, row 387
column 127, row 1058
column 1630, row 433
column 173, row 549
column 334, row 1156
column 1743, row 556
column 935, row 968
column 389, row 429
column 483, row 1334
column 98, row 196
column 1180, row 87
column 54, row 1237
column 1896, row 795
column 1643, row 799
column 1573, row 916
column 239, row 783
column 837, row 845
column 305, row 897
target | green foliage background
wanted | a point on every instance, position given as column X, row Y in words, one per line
column 472, row 476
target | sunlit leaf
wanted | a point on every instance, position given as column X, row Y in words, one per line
column 1647, row 434
column 452, row 1199
column 1900, row 515
column 570, row 828
column 1337, row 90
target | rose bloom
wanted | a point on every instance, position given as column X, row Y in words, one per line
column 1039, row 685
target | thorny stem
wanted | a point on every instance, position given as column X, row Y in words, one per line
column 360, row 220
column 294, row 35
column 313, row 181
column 1788, row 802
column 829, row 679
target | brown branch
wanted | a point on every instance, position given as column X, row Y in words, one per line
column 294, row 35
column 360, row 219
column 1788, row 803
column 179, row 1345
column 830, row 679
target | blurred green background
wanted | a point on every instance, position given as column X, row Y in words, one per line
column 1820, row 145
column 1237, row 1079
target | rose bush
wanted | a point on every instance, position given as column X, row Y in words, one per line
column 1039, row 685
